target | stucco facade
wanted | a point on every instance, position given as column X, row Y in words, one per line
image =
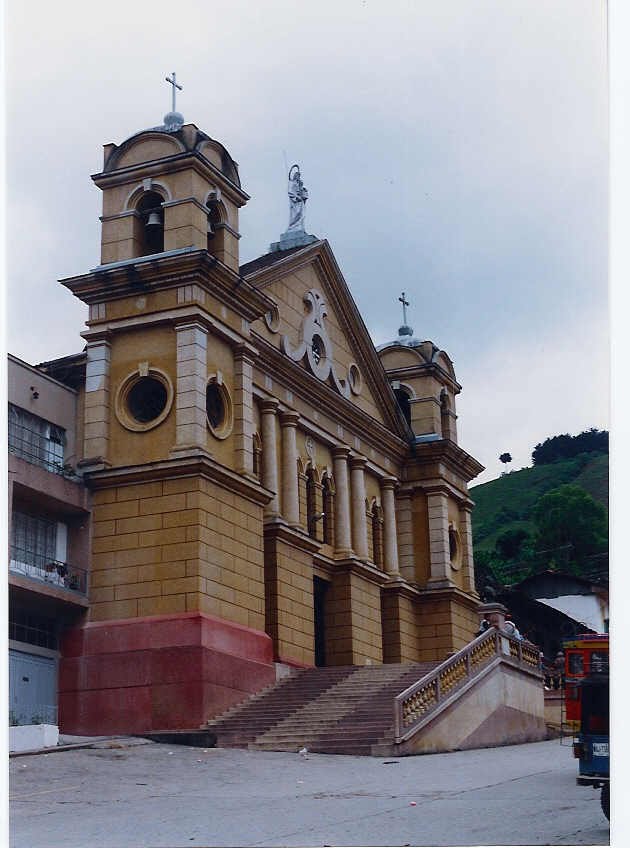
column 261, row 491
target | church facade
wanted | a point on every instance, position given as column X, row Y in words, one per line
column 266, row 489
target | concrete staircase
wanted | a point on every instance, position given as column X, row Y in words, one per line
column 337, row 710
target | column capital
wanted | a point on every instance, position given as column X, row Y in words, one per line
column 340, row 452
column 191, row 325
column 245, row 352
column 289, row 418
column 388, row 482
column 357, row 462
column 269, row 406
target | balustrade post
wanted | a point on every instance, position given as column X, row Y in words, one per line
column 437, row 689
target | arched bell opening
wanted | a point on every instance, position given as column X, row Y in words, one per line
column 217, row 219
column 151, row 214
column 402, row 396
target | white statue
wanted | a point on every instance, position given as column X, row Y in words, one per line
column 298, row 195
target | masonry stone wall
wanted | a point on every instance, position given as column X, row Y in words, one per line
column 181, row 545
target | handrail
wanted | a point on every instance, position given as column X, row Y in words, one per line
column 413, row 706
column 38, row 567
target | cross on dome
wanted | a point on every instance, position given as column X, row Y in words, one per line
column 405, row 330
column 175, row 85
column 173, row 120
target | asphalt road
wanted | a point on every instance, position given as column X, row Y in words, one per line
column 136, row 794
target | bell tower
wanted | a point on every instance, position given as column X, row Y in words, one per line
column 169, row 188
column 168, row 443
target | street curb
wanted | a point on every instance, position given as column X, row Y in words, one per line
column 74, row 746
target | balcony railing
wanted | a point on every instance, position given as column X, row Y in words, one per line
column 46, row 570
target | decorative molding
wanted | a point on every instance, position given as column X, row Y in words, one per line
column 315, row 343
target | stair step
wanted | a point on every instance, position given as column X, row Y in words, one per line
column 339, row 710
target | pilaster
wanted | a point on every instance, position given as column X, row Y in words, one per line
column 243, row 411
column 468, row 570
column 439, row 549
column 97, row 402
column 190, row 395
column 407, row 563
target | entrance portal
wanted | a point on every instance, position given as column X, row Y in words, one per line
column 320, row 587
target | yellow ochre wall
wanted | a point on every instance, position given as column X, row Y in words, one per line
column 178, row 545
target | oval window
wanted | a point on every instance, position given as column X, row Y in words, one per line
column 317, row 347
column 146, row 399
column 215, row 407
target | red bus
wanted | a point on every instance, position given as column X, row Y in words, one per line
column 585, row 654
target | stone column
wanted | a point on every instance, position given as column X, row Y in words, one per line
column 468, row 570
column 268, row 414
column 390, row 541
column 290, row 494
column 190, row 394
column 439, row 549
column 359, row 518
column 97, row 402
column 405, row 537
column 243, row 410
column 343, row 542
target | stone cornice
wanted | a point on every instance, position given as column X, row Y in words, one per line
column 408, row 372
column 190, row 159
column 194, row 465
column 166, row 272
column 293, row 536
column 449, row 453
column 362, row 569
column 179, row 317
column 448, row 593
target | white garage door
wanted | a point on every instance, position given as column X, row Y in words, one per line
column 32, row 689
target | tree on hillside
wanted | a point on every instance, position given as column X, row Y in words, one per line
column 570, row 516
column 511, row 545
column 505, row 458
column 566, row 446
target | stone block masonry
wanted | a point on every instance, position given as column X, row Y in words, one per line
column 175, row 546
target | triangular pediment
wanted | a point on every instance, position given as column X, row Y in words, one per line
column 320, row 330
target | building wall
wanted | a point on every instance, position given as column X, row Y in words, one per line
column 174, row 546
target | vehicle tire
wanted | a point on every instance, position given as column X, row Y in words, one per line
column 605, row 799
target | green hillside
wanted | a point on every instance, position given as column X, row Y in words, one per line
column 507, row 503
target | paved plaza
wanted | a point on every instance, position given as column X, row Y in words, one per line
column 130, row 793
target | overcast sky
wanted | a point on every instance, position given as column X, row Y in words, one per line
column 453, row 150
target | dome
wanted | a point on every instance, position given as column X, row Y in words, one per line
column 186, row 138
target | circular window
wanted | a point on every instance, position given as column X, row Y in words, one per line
column 218, row 409
column 144, row 400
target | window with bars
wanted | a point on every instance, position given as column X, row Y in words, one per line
column 36, row 440
column 32, row 628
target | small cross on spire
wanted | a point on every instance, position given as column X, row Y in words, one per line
column 405, row 304
column 175, row 85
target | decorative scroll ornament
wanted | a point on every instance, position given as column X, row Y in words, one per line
column 315, row 344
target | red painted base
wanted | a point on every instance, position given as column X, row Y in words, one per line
column 158, row 673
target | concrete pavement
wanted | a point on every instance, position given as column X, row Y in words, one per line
column 130, row 793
